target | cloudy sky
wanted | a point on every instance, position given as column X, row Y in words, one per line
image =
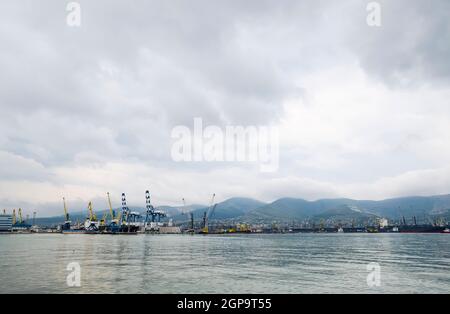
column 362, row 112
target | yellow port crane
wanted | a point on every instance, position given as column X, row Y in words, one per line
column 20, row 216
column 119, row 218
column 92, row 216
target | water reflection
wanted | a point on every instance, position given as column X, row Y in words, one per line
column 324, row 263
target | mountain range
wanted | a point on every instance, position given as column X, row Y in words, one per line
column 424, row 208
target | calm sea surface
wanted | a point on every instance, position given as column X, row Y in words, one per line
column 291, row 263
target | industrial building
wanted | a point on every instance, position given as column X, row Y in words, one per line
column 5, row 223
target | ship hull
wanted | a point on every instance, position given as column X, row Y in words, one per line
column 421, row 229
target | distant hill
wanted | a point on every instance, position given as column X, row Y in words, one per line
column 396, row 208
column 288, row 209
column 408, row 206
column 298, row 209
column 344, row 213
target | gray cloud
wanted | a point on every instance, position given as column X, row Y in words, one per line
column 412, row 46
column 90, row 109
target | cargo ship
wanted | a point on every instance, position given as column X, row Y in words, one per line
column 422, row 229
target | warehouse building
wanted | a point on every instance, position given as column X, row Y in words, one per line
column 5, row 223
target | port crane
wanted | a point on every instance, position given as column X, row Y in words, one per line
column 67, row 221
column 128, row 218
column 14, row 219
column 153, row 215
column 208, row 214
column 20, row 216
column 119, row 219
column 91, row 223
column 115, row 222
column 92, row 216
column 111, row 211
column 191, row 216
column 183, row 208
column 125, row 210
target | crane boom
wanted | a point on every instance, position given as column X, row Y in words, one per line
column 111, row 212
column 119, row 217
column 211, row 205
column 66, row 214
column 207, row 214
column 184, row 211
column 212, row 211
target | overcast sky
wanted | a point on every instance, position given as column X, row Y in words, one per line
column 363, row 112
